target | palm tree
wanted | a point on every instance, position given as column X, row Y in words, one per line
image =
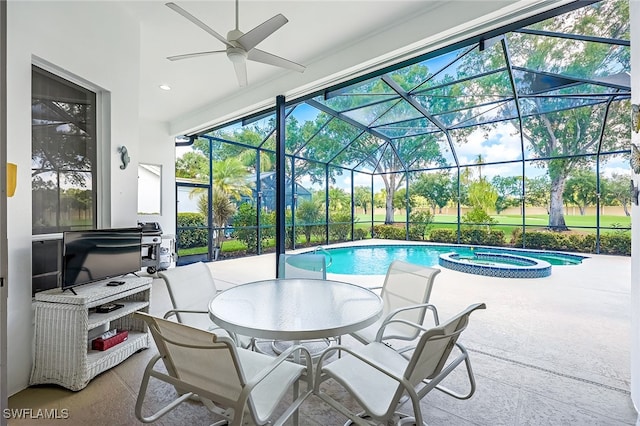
column 223, row 210
column 479, row 161
column 229, row 181
column 230, row 176
column 248, row 158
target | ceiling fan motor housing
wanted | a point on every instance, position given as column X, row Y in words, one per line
column 236, row 54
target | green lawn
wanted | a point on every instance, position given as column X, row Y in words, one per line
column 532, row 220
column 506, row 223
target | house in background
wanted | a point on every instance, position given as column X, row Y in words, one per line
column 267, row 193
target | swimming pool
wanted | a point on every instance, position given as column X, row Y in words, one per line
column 375, row 260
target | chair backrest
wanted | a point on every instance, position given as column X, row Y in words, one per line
column 207, row 364
column 435, row 346
column 305, row 265
column 191, row 287
column 407, row 284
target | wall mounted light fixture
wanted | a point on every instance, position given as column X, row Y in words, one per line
column 12, row 179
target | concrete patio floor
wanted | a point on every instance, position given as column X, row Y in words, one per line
column 546, row 351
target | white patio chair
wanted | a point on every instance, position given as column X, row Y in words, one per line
column 405, row 295
column 236, row 383
column 381, row 379
column 303, row 265
column 191, row 287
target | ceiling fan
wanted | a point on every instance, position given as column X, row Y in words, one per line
column 241, row 46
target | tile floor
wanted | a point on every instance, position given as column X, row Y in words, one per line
column 547, row 351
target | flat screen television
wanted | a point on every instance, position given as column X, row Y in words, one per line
column 95, row 255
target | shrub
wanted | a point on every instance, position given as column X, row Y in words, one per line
column 359, row 234
column 308, row 214
column 244, row 226
column 516, row 234
column 478, row 217
column 288, row 230
column 389, row 232
column 189, row 238
column 478, row 236
column 420, row 222
column 339, row 226
column 443, row 235
column 547, row 240
column 616, row 243
column 540, row 240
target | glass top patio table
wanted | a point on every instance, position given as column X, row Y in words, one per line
column 295, row 309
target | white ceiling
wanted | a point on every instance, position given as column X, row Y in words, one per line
column 333, row 39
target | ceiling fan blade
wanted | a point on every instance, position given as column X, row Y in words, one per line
column 196, row 21
column 241, row 72
column 251, row 39
column 193, row 55
column 270, row 59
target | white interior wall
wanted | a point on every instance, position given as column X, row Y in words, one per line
column 156, row 147
column 85, row 39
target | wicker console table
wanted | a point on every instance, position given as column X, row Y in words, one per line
column 64, row 322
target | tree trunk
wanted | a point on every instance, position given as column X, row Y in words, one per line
column 388, row 218
column 390, row 183
column 556, row 214
column 582, row 209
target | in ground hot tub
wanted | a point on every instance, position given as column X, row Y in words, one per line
column 496, row 265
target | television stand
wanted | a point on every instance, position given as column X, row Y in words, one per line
column 64, row 323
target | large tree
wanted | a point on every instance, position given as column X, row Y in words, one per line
column 362, row 197
column 538, row 192
column 436, row 187
column 615, row 191
column 580, row 189
column 509, row 189
column 563, row 130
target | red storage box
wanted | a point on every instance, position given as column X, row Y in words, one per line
column 101, row 344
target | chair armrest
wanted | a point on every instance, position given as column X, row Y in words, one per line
column 318, row 377
column 251, row 384
column 389, row 319
column 173, row 312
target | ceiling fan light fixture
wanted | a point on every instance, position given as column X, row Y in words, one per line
column 240, row 46
column 236, row 55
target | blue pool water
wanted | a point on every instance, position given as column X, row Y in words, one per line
column 375, row 260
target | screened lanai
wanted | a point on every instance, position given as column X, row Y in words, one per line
column 517, row 138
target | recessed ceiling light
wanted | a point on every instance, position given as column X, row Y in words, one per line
column 165, row 87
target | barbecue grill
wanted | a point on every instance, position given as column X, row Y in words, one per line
column 151, row 240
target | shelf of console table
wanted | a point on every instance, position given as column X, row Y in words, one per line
column 63, row 321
